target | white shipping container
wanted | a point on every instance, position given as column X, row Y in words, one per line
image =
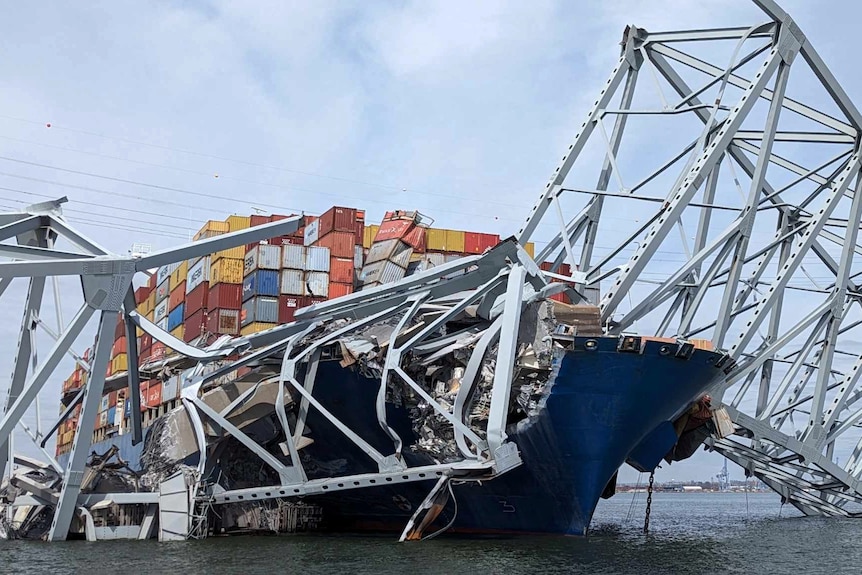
column 162, row 324
column 312, row 232
column 161, row 311
column 262, row 257
column 292, row 282
column 358, row 257
column 292, row 257
column 394, row 250
column 435, row 259
column 119, row 412
column 382, row 272
column 316, row 259
column 170, row 388
column 317, row 284
column 198, row 274
column 103, row 404
column 103, row 419
column 162, row 274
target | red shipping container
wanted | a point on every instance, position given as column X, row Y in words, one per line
column 563, row 270
column 158, row 351
column 393, row 229
column 258, row 220
column 119, row 347
column 141, row 294
column 337, row 289
column 144, row 386
column 341, row 270
column 146, row 341
column 292, row 240
column 144, row 355
column 178, row 295
column 225, row 296
column 476, row 243
column 278, row 217
column 195, row 325
column 337, row 219
column 112, row 399
column 307, row 301
column 287, row 306
column 196, row 300
column 415, row 238
column 151, row 283
column 223, row 321
column 340, row 244
column 154, row 394
column 120, row 329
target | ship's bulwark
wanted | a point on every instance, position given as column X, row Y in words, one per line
column 601, row 404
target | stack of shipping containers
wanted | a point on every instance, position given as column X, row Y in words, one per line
column 252, row 288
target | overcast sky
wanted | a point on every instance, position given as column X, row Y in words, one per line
column 153, row 117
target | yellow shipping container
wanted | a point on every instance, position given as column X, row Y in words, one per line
column 179, row 275
column 256, row 327
column 455, row 241
column 151, row 315
column 530, row 248
column 120, row 363
column 179, row 331
column 368, row 235
column 139, row 332
column 437, row 240
column 237, row 253
column 235, row 223
column 210, row 229
column 226, row 271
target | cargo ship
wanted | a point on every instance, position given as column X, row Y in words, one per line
column 601, row 402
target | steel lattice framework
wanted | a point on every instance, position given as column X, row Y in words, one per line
column 748, row 172
column 749, row 168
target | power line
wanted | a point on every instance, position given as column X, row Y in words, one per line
column 85, row 203
column 247, row 181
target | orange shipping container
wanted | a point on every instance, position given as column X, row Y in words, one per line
column 178, row 296
column 119, row 347
column 339, row 289
column 340, row 244
column 341, row 270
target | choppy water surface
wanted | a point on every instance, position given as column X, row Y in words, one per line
column 690, row 533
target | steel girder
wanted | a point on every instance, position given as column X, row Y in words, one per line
column 497, row 284
column 755, row 164
column 106, row 290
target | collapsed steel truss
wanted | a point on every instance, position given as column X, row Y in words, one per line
column 746, row 252
column 499, row 283
column 757, row 168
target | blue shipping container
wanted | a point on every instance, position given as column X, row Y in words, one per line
column 112, row 413
column 128, row 408
column 175, row 318
column 260, row 282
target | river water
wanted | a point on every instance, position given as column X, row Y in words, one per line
column 689, row 533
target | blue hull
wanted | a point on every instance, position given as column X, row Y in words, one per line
column 604, row 407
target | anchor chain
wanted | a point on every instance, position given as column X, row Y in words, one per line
column 649, row 501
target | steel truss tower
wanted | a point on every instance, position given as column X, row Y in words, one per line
column 720, row 170
column 710, row 192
